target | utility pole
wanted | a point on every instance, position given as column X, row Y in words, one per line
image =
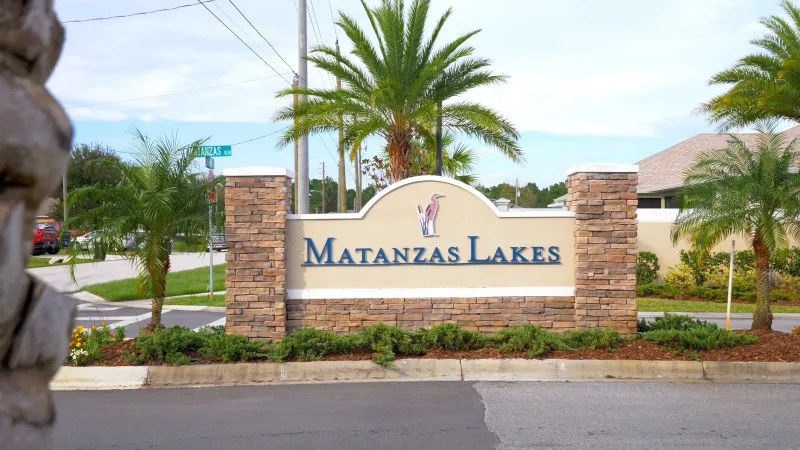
column 439, row 140
column 342, row 191
column 64, row 192
column 302, row 68
column 323, row 187
column 358, row 181
column 295, row 83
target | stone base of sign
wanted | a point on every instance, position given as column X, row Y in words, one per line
column 481, row 314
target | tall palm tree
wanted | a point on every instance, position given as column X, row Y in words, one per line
column 393, row 91
column 765, row 84
column 458, row 159
column 746, row 191
column 159, row 195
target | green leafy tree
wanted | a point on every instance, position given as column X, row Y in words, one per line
column 393, row 91
column 159, row 195
column 743, row 191
column 765, row 84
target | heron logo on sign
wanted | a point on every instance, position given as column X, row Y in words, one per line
column 427, row 216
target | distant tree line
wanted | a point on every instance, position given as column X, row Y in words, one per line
column 530, row 195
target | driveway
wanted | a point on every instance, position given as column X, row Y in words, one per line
column 58, row 276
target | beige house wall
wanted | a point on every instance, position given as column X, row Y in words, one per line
column 393, row 222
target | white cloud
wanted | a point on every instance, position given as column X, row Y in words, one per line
column 579, row 68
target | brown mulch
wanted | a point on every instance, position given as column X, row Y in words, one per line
column 772, row 346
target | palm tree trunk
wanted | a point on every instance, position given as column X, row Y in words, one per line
column 399, row 150
column 159, row 292
column 762, row 317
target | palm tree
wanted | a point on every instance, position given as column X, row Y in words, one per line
column 739, row 190
column 160, row 194
column 394, row 91
column 458, row 160
column 765, row 84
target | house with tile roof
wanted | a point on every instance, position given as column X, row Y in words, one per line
column 661, row 174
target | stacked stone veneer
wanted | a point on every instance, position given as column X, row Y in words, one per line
column 483, row 314
column 602, row 197
column 604, row 201
column 255, row 282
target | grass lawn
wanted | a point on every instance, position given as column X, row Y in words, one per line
column 192, row 281
column 657, row 304
column 34, row 262
column 197, row 300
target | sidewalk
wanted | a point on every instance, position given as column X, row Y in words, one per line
column 147, row 302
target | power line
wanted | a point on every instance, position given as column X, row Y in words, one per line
column 241, row 40
column 173, row 93
column 320, row 42
column 333, row 21
column 261, row 137
column 137, row 14
column 262, row 36
column 245, row 33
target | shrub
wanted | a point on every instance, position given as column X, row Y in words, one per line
column 786, row 261
column 707, row 293
column 169, row 345
column 744, row 260
column 387, row 341
column 593, row 338
column 649, row 289
column 448, row 336
column 791, row 285
column 646, row 267
column 743, row 280
column 232, row 347
column 778, row 295
column 671, row 322
column 529, row 339
column 671, row 291
column 705, row 337
column 119, row 335
column 680, row 276
column 309, row 344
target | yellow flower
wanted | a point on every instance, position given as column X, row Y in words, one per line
column 102, row 324
column 78, row 344
column 94, row 327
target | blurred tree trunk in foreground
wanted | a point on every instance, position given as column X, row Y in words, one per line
column 35, row 137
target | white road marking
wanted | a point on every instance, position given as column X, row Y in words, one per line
column 90, row 307
column 117, row 321
column 212, row 324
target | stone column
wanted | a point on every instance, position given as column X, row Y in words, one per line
column 603, row 197
column 257, row 200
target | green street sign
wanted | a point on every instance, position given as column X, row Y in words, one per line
column 215, row 150
column 209, row 162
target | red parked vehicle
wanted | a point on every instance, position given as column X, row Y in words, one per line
column 44, row 239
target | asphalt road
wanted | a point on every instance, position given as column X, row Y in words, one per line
column 132, row 319
column 434, row 415
column 117, row 269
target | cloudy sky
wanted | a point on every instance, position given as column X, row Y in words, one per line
column 611, row 81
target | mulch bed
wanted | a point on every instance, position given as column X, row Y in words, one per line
column 772, row 346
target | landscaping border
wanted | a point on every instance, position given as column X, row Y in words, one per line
column 137, row 377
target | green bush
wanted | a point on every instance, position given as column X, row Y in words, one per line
column 791, row 285
column 448, row 336
column 681, row 277
column 778, row 295
column 646, row 268
column 671, row 322
column 671, row 291
column 529, row 339
column 744, row 260
column 309, row 344
column 786, row 261
column 232, row 347
column 649, row 290
column 168, row 345
column 705, row 337
column 707, row 293
column 593, row 338
column 387, row 341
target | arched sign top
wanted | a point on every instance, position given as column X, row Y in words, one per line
column 423, row 178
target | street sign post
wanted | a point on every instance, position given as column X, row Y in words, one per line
column 209, row 163
column 215, row 150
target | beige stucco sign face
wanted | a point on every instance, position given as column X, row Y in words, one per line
column 430, row 232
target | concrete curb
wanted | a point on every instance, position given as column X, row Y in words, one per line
column 99, row 378
column 85, row 378
column 706, row 315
